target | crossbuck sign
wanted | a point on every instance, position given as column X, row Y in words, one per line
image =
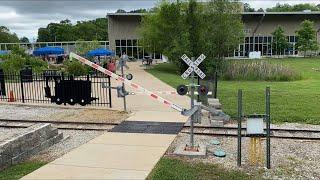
column 193, row 66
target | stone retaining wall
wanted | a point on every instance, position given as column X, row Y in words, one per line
column 30, row 141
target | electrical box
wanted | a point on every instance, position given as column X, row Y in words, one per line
column 255, row 126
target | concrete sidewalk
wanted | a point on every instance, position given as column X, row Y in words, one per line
column 121, row 155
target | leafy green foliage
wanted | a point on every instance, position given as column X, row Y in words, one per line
column 165, row 30
column 18, row 59
column 66, row 31
column 224, row 32
column 75, row 68
column 248, row 8
column 307, row 37
column 293, row 8
column 6, row 36
column 280, row 42
column 18, row 171
column 178, row 28
column 174, row 168
column 83, row 47
column 258, row 71
column 24, row 40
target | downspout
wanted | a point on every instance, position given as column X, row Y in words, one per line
column 256, row 29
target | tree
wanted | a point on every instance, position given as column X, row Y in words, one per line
column 24, row 40
column 66, row 31
column 224, row 31
column 121, row 11
column 297, row 7
column 178, row 28
column 166, row 31
column 43, row 35
column 307, row 38
column 279, row 42
column 6, row 36
column 82, row 47
column 260, row 10
column 139, row 11
column 248, row 8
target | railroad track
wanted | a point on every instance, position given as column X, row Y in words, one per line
column 279, row 133
column 65, row 125
column 298, row 134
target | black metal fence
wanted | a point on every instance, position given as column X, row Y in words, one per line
column 31, row 87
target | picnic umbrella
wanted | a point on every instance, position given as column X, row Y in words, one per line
column 48, row 50
column 3, row 52
column 100, row 52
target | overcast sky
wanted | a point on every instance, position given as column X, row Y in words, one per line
column 24, row 17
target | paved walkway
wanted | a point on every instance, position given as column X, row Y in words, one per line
column 121, row 155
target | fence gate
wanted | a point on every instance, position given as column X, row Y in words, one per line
column 28, row 87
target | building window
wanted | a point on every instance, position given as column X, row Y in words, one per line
column 263, row 44
column 133, row 49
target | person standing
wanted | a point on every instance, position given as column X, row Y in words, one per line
column 123, row 61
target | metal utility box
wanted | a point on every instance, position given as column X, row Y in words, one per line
column 255, row 124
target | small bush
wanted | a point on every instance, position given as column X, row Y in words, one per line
column 75, row 68
column 258, row 71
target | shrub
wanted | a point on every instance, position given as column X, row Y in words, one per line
column 258, row 71
column 15, row 62
column 75, row 68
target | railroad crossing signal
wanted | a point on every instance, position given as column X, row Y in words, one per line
column 193, row 66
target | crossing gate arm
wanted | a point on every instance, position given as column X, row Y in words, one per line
column 127, row 82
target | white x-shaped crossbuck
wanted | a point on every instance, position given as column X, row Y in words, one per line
column 193, row 66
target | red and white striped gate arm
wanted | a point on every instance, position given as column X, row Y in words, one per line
column 127, row 82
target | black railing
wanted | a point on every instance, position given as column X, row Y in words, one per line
column 29, row 87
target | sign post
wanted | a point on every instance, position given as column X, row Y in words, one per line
column 192, row 70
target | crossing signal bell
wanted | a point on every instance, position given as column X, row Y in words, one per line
column 129, row 76
column 182, row 90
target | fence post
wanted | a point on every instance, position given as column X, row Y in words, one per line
column 21, row 84
column 240, row 116
column 109, row 90
column 268, row 119
column 215, row 84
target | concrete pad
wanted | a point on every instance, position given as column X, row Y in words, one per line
column 157, row 116
column 134, row 139
column 180, row 150
column 123, row 157
column 53, row 171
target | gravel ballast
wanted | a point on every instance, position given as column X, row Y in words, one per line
column 60, row 113
column 291, row 159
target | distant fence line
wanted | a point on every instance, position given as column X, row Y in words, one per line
column 69, row 46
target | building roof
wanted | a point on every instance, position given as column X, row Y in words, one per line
column 244, row 13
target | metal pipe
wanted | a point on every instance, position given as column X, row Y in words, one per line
column 192, row 105
column 239, row 126
column 268, row 154
column 123, row 88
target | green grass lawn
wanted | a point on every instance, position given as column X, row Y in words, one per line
column 20, row 170
column 175, row 169
column 294, row 101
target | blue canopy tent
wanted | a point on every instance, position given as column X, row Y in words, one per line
column 100, row 52
column 4, row 52
column 48, row 51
